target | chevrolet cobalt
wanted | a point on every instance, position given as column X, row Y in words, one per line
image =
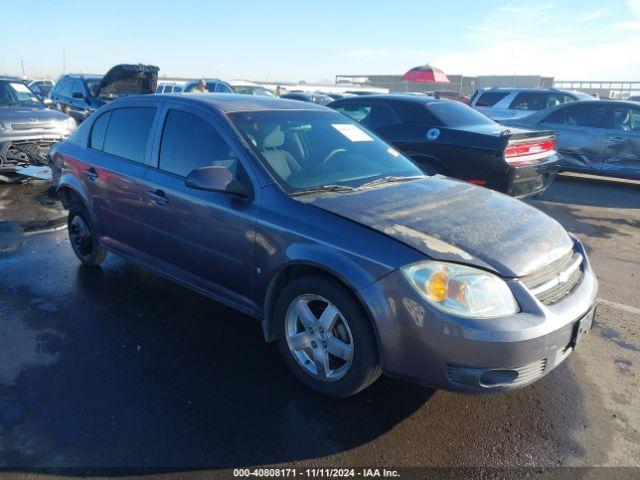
column 353, row 260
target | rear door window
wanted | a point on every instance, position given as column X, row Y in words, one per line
column 557, row 118
column 581, row 115
column 530, row 101
column 415, row 114
column 381, row 116
column 489, row 99
column 98, row 130
column 190, row 142
column 128, row 131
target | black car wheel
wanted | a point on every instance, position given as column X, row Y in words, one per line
column 82, row 237
column 325, row 337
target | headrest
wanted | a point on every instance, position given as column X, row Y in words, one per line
column 274, row 139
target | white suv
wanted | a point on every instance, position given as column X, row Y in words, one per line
column 510, row 103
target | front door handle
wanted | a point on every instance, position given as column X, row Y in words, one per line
column 615, row 139
column 159, row 197
column 92, row 174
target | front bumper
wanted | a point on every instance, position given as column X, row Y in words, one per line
column 421, row 344
column 18, row 151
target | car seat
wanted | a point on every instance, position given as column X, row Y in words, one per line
column 282, row 162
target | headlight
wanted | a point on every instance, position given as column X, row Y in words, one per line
column 69, row 124
column 461, row 290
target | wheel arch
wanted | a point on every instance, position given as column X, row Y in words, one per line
column 70, row 190
column 300, row 268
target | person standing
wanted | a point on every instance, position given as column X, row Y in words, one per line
column 202, row 87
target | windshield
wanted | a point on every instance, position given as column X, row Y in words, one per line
column 311, row 149
column 456, row 114
column 16, row 94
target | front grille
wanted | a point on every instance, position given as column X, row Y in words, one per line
column 557, row 280
column 29, row 152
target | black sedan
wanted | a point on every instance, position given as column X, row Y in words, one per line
column 319, row 98
column 600, row 137
column 448, row 137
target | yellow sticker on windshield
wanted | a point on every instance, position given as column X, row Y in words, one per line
column 352, row 132
column 392, row 152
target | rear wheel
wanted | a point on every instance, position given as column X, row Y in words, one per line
column 83, row 238
column 325, row 337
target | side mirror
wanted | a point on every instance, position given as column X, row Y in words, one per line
column 216, row 179
column 78, row 95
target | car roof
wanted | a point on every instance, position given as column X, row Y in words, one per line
column 527, row 89
column 83, row 75
column 395, row 97
column 225, row 102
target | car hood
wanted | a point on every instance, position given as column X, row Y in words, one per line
column 128, row 79
column 30, row 115
column 454, row 221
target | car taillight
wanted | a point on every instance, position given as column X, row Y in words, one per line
column 520, row 153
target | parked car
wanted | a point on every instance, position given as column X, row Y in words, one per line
column 250, row 88
column 634, row 98
column 450, row 138
column 214, row 85
column 319, row 98
column 601, row 137
column 42, row 88
column 79, row 95
column 446, row 94
column 338, row 96
column 351, row 259
column 509, row 103
column 170, row 87
column 27, row 128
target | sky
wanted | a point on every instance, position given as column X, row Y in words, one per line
column 313, row 40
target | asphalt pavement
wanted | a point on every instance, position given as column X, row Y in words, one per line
column 116, row 370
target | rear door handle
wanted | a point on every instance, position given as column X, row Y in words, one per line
column 615, row 139
column 159, row 197
column 92, row 174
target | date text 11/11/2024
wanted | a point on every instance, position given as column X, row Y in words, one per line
column 316, row 472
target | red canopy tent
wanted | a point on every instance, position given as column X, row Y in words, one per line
column 425, row 73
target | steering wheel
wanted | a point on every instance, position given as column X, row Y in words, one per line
column 332, row 154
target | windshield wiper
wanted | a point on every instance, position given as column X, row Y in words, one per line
column 388, row 179
column 322, row 189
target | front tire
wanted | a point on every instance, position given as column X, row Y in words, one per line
column 83, row 237
column 325, row 337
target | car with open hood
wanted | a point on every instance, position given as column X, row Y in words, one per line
column 27, row 128
column 351, row 259
column 79, row 95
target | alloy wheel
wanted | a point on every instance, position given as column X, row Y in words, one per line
column 319, row 337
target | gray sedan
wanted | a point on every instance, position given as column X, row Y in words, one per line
column 353, row 261
column 599, row 137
